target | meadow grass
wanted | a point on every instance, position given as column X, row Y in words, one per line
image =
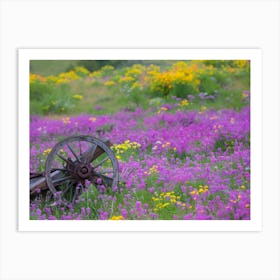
column 51, row 67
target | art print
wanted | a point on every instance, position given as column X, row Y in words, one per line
column 154, row 140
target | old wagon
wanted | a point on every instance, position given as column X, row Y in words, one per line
column 72, row 164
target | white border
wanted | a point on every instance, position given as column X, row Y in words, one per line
column 254, row 55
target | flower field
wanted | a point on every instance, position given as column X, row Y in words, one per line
column 180, row 133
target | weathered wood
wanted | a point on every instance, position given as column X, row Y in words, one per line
column 97, row 152
column 38, row 181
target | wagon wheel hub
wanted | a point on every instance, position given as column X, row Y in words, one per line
column 84, row 171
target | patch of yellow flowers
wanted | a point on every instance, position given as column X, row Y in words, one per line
column 67, row 77
column 184, row 102
column 136, row 85
column 152, row 170
column 196, row 192
column 241, row 63
column 36, row 78
column 47, row 151
column 180, row 74
column 135, row 71
column 78, row 96
column 166, row 199
column 117, row 218
column 126, row 79
column 64, row 77
column 104, row 71
column 109, row 83
column 82, row 70
column 125, row 146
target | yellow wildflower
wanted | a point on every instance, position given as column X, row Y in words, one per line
column 78, row 96
column 184, row 102
column 126, row 79
column 81, row 70
column 109, row 83
column 116, row 218
column 153, row 170
column 47, row 151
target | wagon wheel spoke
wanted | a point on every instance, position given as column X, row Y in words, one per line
column 61, row 157
column 74, row 154
column 80, row 149
column 59, row 169
column 75, row 196
column 101, row 162
column 63, row 179
column 67, row 188
column 88, row 156
column 69, row 191
column 77, row 193
column 106, row 172
column 106, row 179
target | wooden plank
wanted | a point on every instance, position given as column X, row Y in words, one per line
column 40, row 182
column 97, row 153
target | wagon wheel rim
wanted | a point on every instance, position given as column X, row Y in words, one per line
column 76, row 159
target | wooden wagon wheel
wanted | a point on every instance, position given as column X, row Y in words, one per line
column 76, row 159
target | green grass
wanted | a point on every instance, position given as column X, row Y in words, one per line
column 50, row 67
column 110, row 100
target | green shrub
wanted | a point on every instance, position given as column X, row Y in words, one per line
column 48, row 98
column 182, row 90
column 39, row 88
column 208, row 84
